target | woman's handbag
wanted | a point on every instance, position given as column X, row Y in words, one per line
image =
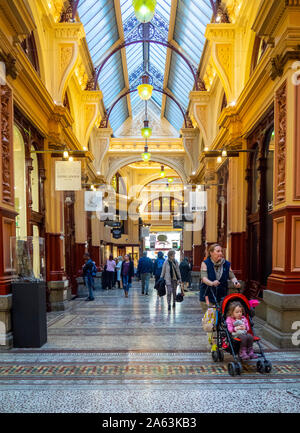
column 209, row 320
column 161, row 287
column 179, row 296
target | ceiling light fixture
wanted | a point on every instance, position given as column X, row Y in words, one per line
column 146, row 131
column 145, row 89
column 146, row 155
column 144, row 9
column 162, row 171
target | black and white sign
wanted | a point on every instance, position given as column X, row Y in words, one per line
column 93, row 201
column 197, row 201
column 68, row 175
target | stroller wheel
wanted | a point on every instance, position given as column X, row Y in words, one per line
column 221, row 355
column 232, row 369
column 238, row 367
column 260, row 367
column 268, row 366
column 215, row 356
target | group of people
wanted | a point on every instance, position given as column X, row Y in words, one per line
column 121, row 271
column 118, row 271
column 215, row 273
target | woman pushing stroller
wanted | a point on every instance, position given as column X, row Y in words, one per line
column 215, row 272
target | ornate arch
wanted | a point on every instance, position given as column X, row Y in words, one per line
column 115, row 165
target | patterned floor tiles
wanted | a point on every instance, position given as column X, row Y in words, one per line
column 116, row 355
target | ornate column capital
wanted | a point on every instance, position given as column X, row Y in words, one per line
column 224, row 54
column 200, row 110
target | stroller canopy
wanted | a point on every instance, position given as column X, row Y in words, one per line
column 238, row 297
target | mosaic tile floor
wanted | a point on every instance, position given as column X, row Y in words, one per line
column 132, row 355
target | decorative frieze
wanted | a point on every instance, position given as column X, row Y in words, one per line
column 6, row 119
column 280, row 143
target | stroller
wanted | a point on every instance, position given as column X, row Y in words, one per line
column 222, row 340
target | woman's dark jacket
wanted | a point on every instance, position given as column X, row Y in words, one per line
column 185, row 271
column 130, row 270
column 220, row 291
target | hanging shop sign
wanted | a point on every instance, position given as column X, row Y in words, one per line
column 197, row 201
column 68, row 175
column 115, row 224
column 178, row 224
column 145, row 232
column 93, row 201
column 152, row 238
column 117, row 233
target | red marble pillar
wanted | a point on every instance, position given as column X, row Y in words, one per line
column 238, row 254
column 54, row 257
column 95, row 254
column 80, row 249
column 198, row 256
column 285, row 276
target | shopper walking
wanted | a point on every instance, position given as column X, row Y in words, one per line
column 110, row 269
column 171, row 274
column 127, row 272
column 144, row 272
column 118, row 270
column 87, row 272
column 158, row 265
column 184, row 268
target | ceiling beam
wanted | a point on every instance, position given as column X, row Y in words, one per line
column 119, row 20
column 173, row 14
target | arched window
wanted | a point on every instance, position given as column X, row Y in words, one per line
column 259, row 48
column 224, row 102
column 29, row 47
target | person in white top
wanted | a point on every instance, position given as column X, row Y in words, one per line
column 110, row 269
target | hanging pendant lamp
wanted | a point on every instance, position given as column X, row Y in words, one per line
column 144, row 9
column 146, row 155
column 162, row 171
column 145, row 89
column 146, row 131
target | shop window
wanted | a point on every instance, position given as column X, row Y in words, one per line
column 255, row 183
column 20, row 184
column 34, row 177
column 36, row 251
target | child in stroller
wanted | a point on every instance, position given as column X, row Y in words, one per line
column 238, row 326
column 224, row 340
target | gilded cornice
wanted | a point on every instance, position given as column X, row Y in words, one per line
column 221, row 33
column 69, row 31
column 91, row 96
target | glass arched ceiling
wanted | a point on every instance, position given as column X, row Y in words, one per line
column 105, row 27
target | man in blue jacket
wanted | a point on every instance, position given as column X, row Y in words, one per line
column 144, row 271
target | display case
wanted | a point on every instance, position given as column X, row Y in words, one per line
column 28, row 258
